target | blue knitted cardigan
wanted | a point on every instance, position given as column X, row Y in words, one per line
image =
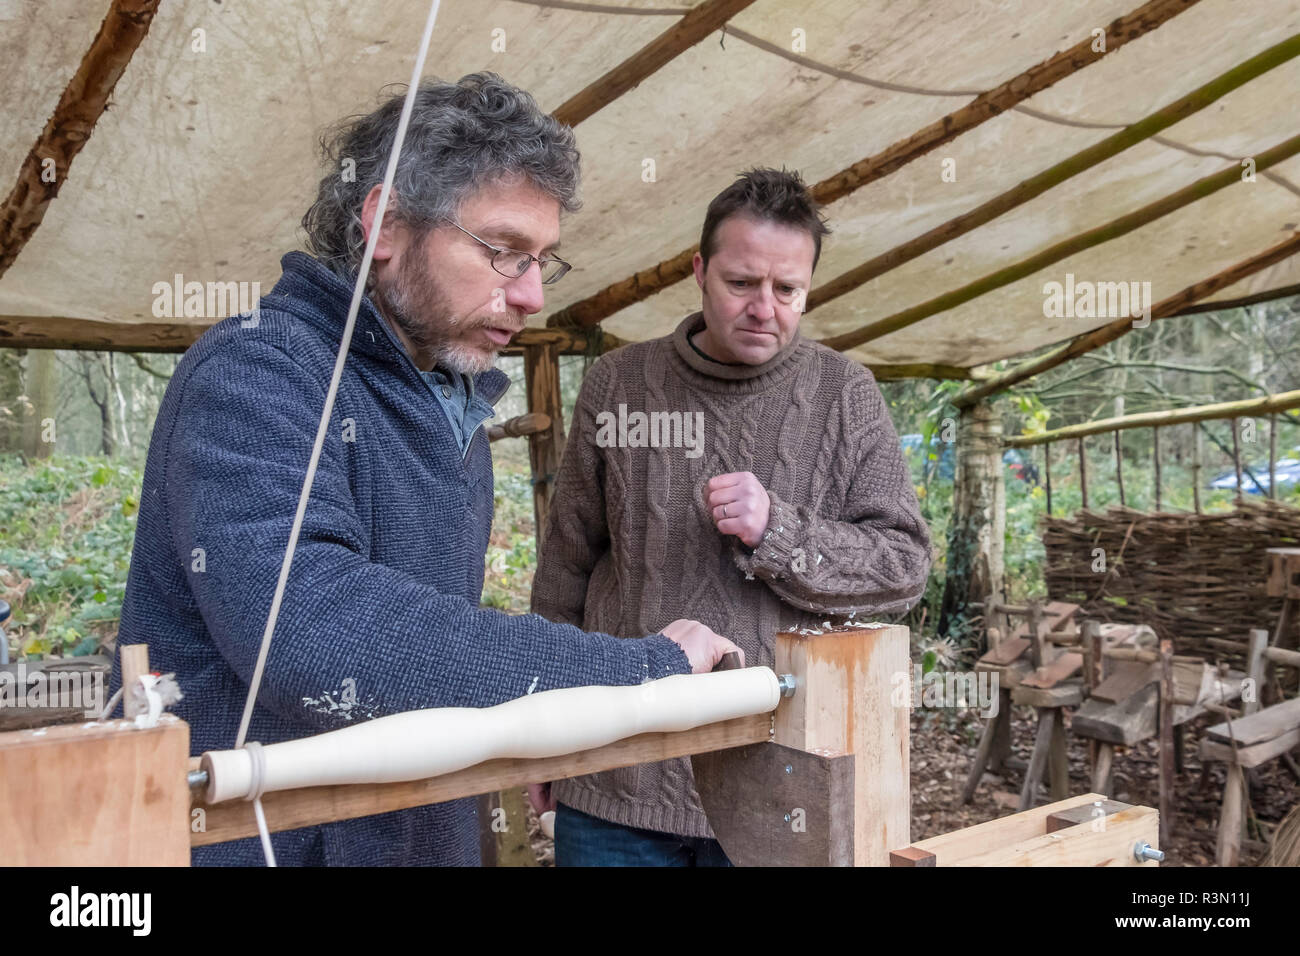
column 381, row 614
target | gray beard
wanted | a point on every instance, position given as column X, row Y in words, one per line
column 412, row 294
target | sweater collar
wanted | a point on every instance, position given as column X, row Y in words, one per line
column 694, row 323
column 321, row 297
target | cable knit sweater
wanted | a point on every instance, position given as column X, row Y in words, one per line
column 630, row 545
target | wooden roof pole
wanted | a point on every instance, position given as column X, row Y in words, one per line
column 1280, row 402
column 65, row 133
column 697, row 24
column 600, row 305
column 1171, row 307
column 101, row 335
column 1068, row 168
column 1125, row 224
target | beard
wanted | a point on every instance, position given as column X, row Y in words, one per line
column 415, row 302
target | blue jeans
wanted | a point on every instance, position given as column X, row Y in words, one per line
column 582, row 840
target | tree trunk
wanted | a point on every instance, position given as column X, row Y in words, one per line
column 11, row 409
column 976, row 535
column 41, row 388
column 103, row 401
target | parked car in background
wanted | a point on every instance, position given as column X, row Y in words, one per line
column 1287, row 471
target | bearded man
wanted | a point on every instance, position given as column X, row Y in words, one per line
column 381, row 611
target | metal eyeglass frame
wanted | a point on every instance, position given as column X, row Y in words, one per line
column 498, row 252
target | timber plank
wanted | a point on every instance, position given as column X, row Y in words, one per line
column 95, row 794
column 1253, row 755
column 1126, row 679
column 1051, row 674
column 1260, row 726
column 1007, row 651
column 1126, row 722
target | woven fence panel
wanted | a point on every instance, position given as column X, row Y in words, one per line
column 1188, row 576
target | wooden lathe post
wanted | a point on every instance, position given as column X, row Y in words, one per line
column 847, row 702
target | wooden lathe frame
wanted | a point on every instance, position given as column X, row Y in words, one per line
column 111, row 794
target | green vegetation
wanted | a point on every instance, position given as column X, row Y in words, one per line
column 66, row 529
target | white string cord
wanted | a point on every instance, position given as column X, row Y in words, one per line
column 358, row 290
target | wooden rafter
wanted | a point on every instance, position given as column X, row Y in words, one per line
column 59, row 332
column 74, row 118
column 613, row 298
column 1280, row 402
column 1068, row 168
column 697, row 24
column 1241, row 302
column 1055, row 253
column 1176, row 305
column 893, row 373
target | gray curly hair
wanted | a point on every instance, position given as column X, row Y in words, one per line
column 462, row 136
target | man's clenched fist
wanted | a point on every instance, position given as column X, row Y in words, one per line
column 740, row 506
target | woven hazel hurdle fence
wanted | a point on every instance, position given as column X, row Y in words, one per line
column 1191, row 577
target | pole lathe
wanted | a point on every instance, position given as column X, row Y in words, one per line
column 816, row 778
column 430, row 743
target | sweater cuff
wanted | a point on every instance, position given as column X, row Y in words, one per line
column 664, row 658
column 775, row 553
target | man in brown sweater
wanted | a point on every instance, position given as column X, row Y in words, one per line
column 732, row 472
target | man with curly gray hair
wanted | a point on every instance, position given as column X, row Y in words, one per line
column 381, row 610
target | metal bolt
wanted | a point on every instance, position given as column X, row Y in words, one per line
column 196, row 779
column 1143, row 852
column 786, row 683
column 789, row 769
column 787, row 818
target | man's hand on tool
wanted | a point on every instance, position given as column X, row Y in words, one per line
column 703, row 647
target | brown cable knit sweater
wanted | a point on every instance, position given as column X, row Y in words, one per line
column 630, row 547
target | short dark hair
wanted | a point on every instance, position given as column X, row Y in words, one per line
column 768, row 195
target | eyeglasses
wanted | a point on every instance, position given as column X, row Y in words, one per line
column 512, row 264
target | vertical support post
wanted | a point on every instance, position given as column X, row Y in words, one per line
column 1047, row 471
column 1038, row 758
column 1102, row 768
column 1036, row 642
column 1228, row 844
column 1091, row 641
column 1196, row 466
column 844, row 704
column 1256, row 670
column 545, row 448
column 1272, row 456
column 1166, row 737
column 1058, row 762
column 1083, row 473
column 1236, row 456
column 1155, row 451
column 135, row 664
column 1119, row 469
column 542, row 382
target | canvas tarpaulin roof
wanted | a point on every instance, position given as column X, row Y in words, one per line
column 206, row 161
